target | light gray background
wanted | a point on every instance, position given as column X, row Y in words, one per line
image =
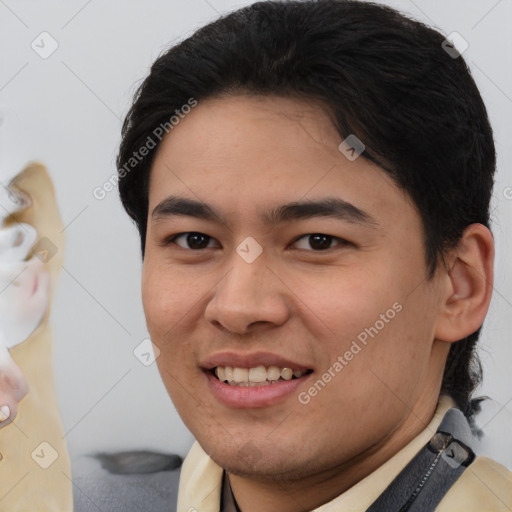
column 66, row 112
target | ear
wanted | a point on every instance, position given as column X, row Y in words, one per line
column 469, row 283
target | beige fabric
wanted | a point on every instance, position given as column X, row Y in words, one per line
column 24, row 485
column 484, row 486
column 201, row 480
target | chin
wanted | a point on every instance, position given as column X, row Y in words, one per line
column 271, row 463
column 268, row 470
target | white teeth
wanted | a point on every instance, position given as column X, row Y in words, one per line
column 221, row 373
column 273, row 373
column 257, row 376
column 240, row 374
column 228, row 373
column 286, row 373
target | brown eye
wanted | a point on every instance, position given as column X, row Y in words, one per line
column 193, row 240
column 320, row 241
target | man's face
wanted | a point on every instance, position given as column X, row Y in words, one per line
column 347, row 289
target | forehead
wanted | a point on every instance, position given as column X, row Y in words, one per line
column 245, row 153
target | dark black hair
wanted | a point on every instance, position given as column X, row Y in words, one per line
column 384, row 77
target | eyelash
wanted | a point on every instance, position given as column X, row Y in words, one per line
column 171, row 240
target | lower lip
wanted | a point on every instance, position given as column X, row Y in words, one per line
column 239, row 397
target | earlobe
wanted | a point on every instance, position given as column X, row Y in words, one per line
column 469, row 280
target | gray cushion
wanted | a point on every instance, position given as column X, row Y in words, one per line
column 95, row 489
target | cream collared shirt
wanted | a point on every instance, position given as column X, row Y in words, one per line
column 489, row 483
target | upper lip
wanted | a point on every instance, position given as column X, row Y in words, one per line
column 250, row 360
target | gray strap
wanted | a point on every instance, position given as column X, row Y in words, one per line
column 422, row 484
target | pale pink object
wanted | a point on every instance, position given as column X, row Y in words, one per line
column 24, row 287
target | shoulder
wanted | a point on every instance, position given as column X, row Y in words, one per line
column 485, row 485
column 95, row 488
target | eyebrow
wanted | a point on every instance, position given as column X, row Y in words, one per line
column 332, row 207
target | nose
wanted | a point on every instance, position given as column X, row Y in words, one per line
column 248, row 295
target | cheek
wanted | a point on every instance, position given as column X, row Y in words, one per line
column 164, row 299
column 168, row 307
column 350, row 304
column 393, row 364
column 377, row 325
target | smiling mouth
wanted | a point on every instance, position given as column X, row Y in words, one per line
column 257, row 376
